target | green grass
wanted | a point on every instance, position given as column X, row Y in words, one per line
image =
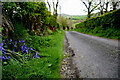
column 79, row 17
column 47, row 66
column 110, row 33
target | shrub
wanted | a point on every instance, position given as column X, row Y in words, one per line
column 106, row 25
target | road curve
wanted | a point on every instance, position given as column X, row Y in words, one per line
column 95, row 57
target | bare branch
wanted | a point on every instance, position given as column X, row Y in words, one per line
column 94, row 7
column 49, row 5
column 84, row 3
column 53, row 5
column 106, row 8
column 57, row 4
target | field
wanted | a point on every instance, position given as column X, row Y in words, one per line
column 80, row 17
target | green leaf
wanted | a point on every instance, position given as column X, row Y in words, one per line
column 5, row 63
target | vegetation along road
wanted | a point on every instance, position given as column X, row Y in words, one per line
column 95, row 57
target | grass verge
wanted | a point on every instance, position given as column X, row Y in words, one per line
column 46, row 66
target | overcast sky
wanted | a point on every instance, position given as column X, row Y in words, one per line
column 71, row 7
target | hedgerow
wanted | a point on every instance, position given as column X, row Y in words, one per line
column 106, row 25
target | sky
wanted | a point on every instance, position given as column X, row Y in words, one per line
column 71, row 7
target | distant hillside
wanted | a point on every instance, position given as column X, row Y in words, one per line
column 72, row 15
column 63, row 15
column 79, row 17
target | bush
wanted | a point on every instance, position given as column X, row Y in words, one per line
column 106, row 25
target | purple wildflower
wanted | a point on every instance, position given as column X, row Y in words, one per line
column 13, row 50
column 22, row 40
column 10, row 40
column 3, row 57
column 21, row 47
column 36, row 53
column 23, row 43
column 26, row 51
column 31, row 48
column 33, row 56
column 3, row 40
column 2, row 48
column 29, row 52
column 25, row 47
column 19, row 41
column 2, row 44
column 15, row 43
column 3, row 54
column 8, row 57
column 3, row 51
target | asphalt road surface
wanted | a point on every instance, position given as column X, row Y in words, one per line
column 95, row 57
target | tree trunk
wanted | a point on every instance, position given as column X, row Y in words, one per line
column 101, row 12
column 114, row 5
column 106, row 9
column 89, row 13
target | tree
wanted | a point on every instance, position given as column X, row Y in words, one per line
column 114, row 4
column 55, row 14
column 106, row 5
column 55, row 7
column 103, row 6
column 90, row 7
column 31, row 15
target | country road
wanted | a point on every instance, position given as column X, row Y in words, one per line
column 95, row 57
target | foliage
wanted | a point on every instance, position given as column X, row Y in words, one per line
column 46, row 66
column 63, row 22
column 34, row 16
column 20, row 31
column 106, row 25
column 27, row 54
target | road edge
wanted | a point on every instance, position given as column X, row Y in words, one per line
column 68, row 69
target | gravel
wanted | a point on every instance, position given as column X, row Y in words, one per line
column 68, row 69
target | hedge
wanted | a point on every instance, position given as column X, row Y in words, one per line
column 107, row 25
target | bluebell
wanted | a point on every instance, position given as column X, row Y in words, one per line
column 8, row 57
column 10, row 40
